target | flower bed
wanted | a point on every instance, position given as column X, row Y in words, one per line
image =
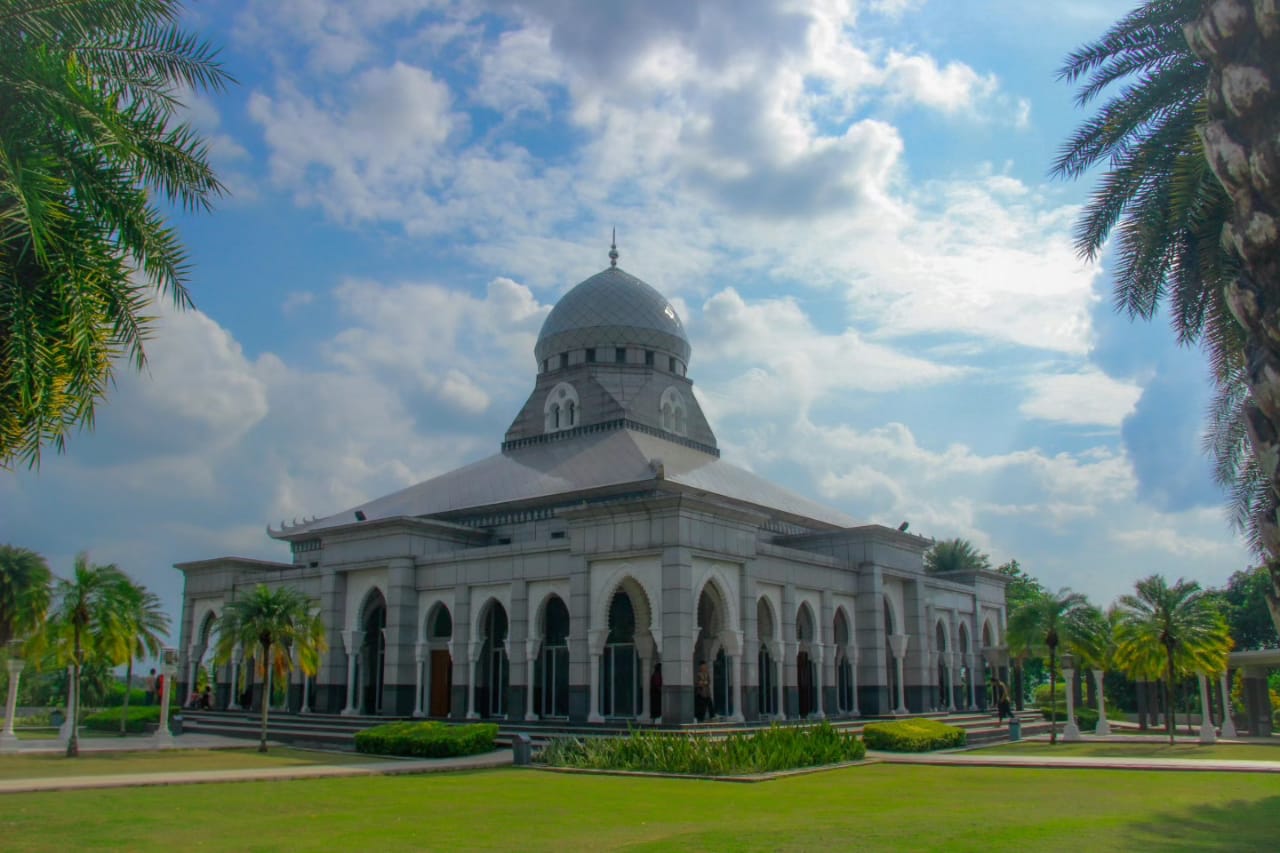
column 766, row 751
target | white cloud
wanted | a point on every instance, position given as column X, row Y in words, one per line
column 952, row 88
column 1089, row 397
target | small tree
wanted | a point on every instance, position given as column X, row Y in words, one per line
column 269, row 626
column 955, row 555
column 86, row 621
column 143, row 627
column 1045, row 622
column 1175, row 628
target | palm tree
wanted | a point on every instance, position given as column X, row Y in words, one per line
column 25, row 581
column 955, row 555
column 1175, row 628
column 90, row 144
column 85, row 622
column 143, row 629
column 1238, row 42
column 1044, row 623
column 269, row 626
column 1185, row 186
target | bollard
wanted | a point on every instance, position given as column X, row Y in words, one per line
column 1015, row 729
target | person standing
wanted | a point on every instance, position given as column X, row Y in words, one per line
column 655, row 692
column 1002, row 701
column 702, row 704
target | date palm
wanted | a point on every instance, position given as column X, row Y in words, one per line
column 1177, row 629
column 955, row 555
column 1043, row 624
column 143, row 625
column 25, row 586
column 270, row 626
column 90, row 142
column 85, row 623
column 1190, row 191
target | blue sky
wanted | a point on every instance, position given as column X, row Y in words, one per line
column 848, row 203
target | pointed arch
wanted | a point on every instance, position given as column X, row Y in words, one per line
column 561, row 409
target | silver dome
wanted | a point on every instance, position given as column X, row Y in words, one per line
column 612, row 309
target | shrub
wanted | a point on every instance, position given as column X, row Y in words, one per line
column 1086, row 718
column 115, row 696
column 764, row 751
column 135, row 721
column 912, row 736
column 1042, row 694
column 427, row 739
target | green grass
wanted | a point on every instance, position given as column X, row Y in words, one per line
column 872, row 807
column 1142, row 749
column 112, row 763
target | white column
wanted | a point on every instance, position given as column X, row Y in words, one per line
column 898, row 645
column 1207, row 734
column 1070, row 731
column 473, row 655
column 191, row 667
column 531, row 656
column 780, row 667
column 737, row 716
column 1103, row 728
column 973, row 684
column 233, row 702
column 1228, row 725
column 852, row 652
column 953, row 667
column 64, row 733
column 306, row 695
column 817, row 681
column 351, row 643
column 646, row 668
column 593, row 716
column 9, row 740
column 419, row 652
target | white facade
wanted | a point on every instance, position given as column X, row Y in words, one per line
column 608, row 538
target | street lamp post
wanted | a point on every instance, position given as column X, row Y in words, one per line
column 168, row 667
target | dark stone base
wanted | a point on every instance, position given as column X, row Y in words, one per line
column 677, row 704
column 397, row 700
column 873, row 700
column 579, row 702
column 751, row 703
column 920, row 699
column 516, row 701
column 328, row 698
column 458, row 702
column 791, row 702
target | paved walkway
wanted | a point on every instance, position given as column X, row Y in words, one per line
column 383, row 767
column 984, row 756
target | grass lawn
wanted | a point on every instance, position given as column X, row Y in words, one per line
column 872, row 807
column 112, row 763
column 1141, row 749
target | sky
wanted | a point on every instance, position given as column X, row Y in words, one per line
column 847, row 201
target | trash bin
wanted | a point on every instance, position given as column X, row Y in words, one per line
column 1015, row 728
column 56, row 719
column 175, row 725
column 521, row 751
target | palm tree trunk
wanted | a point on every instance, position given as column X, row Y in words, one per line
column 73, row 741
column 266, row 694
column 1168, row 695
column 1239, row 41
column 1053, row 697
column 128, row 685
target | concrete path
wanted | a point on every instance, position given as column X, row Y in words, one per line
column 383, row 767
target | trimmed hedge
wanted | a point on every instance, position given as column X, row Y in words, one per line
column 427, row 739
column 765, row 751
column 136, row 720
column 912, row 736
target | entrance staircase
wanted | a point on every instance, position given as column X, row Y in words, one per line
column 333, row 731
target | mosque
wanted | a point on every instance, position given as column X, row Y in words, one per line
column 607, row 542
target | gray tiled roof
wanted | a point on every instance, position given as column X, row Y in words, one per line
column 612, row 309
column 585, row 463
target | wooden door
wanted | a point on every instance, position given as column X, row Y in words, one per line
column 441, row 683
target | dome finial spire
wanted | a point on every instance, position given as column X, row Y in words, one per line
column 613, row 249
